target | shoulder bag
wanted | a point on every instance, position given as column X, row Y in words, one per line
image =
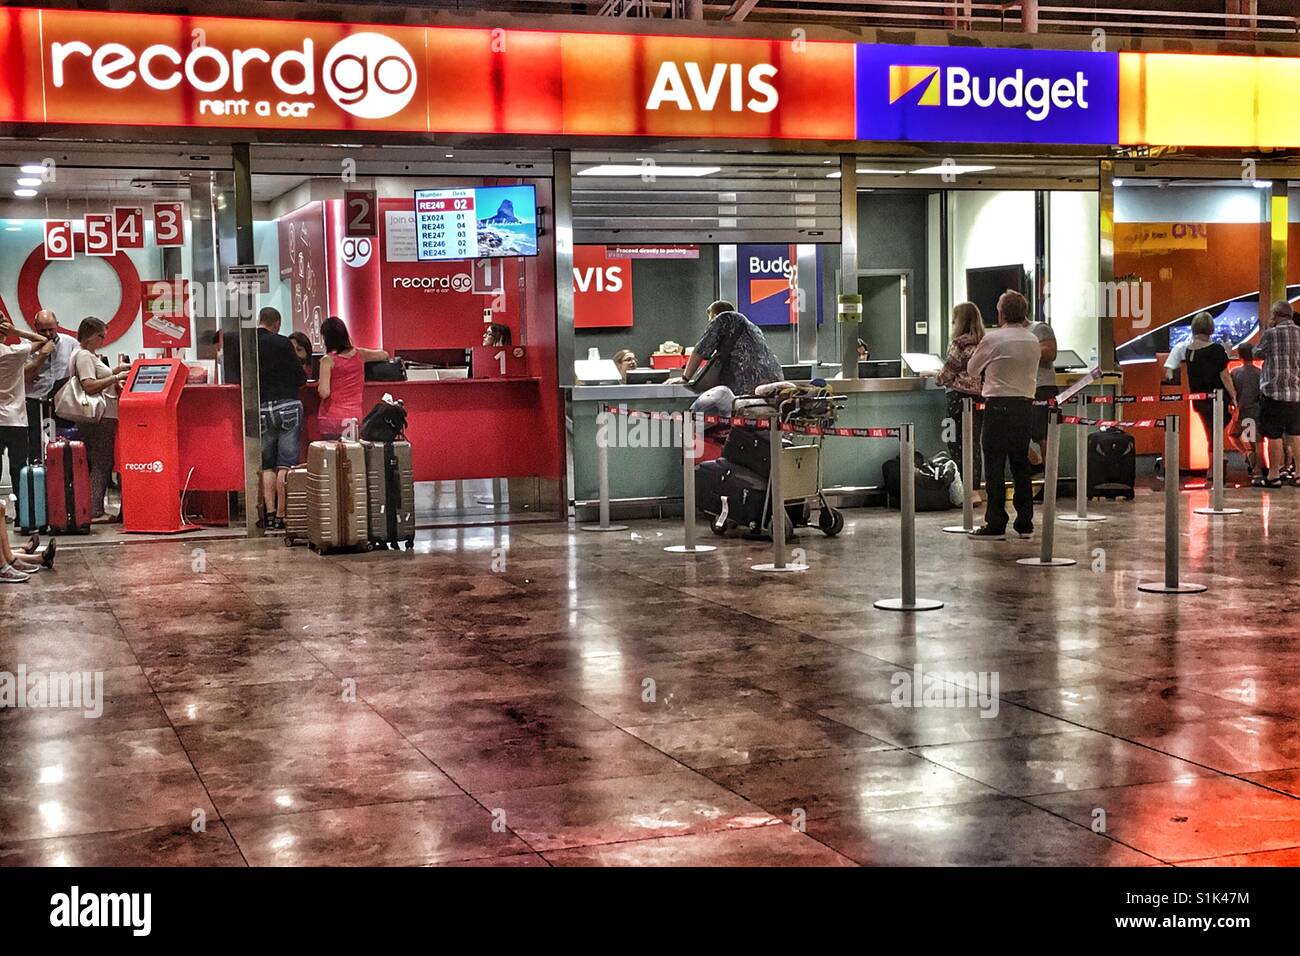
column 73, row 403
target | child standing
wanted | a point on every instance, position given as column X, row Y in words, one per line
column 1244, row 425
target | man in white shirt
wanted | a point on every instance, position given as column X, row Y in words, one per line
column 47, row 368
column 1007, row 358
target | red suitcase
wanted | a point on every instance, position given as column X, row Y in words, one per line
column 67, row 487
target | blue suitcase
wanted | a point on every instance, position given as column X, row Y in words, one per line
column 31, row 499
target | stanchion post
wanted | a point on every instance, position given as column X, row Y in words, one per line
column 1216, row 449
column 1173, row 515
column 688, row 492
column 776, row 495
column 603, row 418
column 967, row 470
column 1051, row 470
column 1081, row 514
column 907, row 514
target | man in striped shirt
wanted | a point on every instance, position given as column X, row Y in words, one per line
column 1279, row 385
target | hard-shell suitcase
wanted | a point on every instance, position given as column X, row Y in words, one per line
column 744, row 491
column 390, row 487
column 67, row 487
column 295, row 506
column 338, row 510
column 749, row 448
column 1112, row 464
column 31, row 499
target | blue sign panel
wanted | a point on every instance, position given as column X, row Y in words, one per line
column 982, row 95
column 766, row 294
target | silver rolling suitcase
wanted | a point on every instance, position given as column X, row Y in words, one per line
column 338, row 515
column 391, row 490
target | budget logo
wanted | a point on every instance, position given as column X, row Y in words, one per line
column 987, row 95
column 904, row 79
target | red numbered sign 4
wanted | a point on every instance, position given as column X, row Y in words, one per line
column 168, row 224
column 101, row 236
column 58, row 239
column 128, row 226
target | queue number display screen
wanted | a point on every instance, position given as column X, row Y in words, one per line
column 475, row 222
column 151, row 378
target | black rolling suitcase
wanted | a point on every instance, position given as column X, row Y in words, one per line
column 1112, row 464
column 745, row 492
column 750, row 449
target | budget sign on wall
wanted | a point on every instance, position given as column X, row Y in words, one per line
column 974, row 95
column 767, row 284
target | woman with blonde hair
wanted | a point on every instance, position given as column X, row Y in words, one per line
column 1207, row 372
column 966, row 333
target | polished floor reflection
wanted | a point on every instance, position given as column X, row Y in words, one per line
column 531, row 695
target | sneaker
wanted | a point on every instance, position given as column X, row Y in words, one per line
column 1025, row 532
column 988, row 532
column 11, row 575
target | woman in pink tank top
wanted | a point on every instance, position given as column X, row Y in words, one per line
column 342, row 377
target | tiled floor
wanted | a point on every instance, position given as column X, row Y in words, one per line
column 529, row 695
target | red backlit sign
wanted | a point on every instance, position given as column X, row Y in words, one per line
column 67, row 66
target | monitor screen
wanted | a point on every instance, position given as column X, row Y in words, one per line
column 648, row 376
column 151, row 378
column 1066, row 360
column 475, row 222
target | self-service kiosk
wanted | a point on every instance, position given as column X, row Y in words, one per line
column 148, row 448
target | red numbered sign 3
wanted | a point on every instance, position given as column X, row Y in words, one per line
column 168, row 224
column 100, row 234
column 128, row 226
column 58, row 239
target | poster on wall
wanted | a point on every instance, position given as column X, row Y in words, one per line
column 767, row 283
column 301, row 236
column 602, row 289
column 166, row 306
column 429, row 305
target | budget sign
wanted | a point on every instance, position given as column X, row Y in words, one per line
column 981, row 95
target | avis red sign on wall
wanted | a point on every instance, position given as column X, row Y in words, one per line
column 602, row 289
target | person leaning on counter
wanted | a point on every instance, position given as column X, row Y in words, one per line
column 342, row 377
column 745, row 359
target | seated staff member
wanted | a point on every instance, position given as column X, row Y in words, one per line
column 46, row 371
column 497, row 335
column 745, row 361
column 280, row 376
column 342, row 377
column 1007, row 359
column 624, row 361
column 1207, row 371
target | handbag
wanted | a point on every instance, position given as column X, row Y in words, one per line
column 393, row 370
column 74, row 404
column 384, row 423
column 710, row 375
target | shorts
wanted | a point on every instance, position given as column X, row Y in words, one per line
column 1249, row 413
column 1038, row 414
column 281, row 434
column 1278, row 418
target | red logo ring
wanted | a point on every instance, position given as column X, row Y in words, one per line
column 29, row 282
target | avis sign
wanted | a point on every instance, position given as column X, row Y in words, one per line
column 602, row 289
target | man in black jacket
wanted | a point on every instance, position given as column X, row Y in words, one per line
column 280, row 376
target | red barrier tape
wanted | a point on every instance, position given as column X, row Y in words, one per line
column 1110, row 423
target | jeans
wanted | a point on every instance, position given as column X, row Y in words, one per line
column 13, row 444
column 101, row 441
column 1005, row 438
column 281, row 434
column 954, row 447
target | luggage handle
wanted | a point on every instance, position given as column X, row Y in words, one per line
column 69, row 486
column 392, row 491
column 345, row 495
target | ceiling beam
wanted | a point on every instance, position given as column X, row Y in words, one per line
column 739, row 10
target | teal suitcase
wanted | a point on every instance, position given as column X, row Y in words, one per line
column 31, row 499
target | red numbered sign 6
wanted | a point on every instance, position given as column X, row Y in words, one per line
column 128, row 226
column 100, row 234
column 58, row 239
column 168, row 224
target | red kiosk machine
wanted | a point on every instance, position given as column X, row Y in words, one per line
column 148, row 448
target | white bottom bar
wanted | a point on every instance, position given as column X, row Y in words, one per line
column 896, row 604
column 697, row 549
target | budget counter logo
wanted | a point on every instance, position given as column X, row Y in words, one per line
column 962, row 94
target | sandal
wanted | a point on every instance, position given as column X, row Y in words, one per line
column 33, row 543
column 47, row 556
column 1261, row 482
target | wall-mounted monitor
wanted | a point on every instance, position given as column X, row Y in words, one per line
column 475, row 222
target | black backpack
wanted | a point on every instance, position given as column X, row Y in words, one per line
column 386, row 422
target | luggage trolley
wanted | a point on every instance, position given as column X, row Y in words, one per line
column 801, row 464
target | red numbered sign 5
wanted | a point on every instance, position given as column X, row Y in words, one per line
column 168, row 224
column 58, row 239
column 100, row 234
column 128, row 226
